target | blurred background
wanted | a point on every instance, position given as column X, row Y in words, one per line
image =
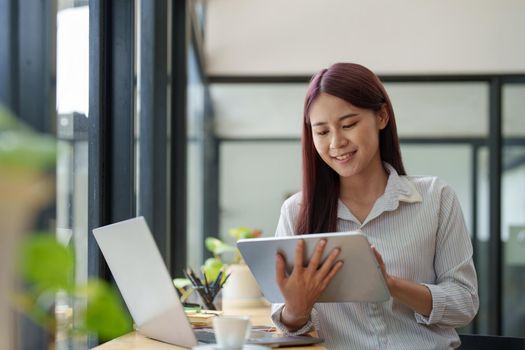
column 188, row 112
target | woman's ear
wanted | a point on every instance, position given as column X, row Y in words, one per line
column 382, row 117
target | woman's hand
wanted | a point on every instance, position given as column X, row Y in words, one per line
column 388, row 279
column 415, row 296
column 304, row 285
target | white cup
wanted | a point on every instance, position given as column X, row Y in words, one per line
column 231, row 331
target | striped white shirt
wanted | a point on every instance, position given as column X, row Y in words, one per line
column 418, row 227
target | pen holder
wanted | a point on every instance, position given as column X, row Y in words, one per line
column 207, row 290
column 207, row 297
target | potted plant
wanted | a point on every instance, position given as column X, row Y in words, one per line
column 241, row 288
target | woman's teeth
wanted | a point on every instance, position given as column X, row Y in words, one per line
column 343, row 157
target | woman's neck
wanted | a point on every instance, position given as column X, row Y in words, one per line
column 365, row 187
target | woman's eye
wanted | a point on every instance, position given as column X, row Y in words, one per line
column 348, row 126
column 321, row 133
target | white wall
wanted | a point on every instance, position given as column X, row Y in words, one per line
column 391, row 37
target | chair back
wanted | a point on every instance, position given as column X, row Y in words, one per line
column 490, row 342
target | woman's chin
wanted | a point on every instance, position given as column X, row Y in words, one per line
column 347, row 171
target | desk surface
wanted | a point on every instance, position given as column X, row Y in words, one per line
column 135, row 341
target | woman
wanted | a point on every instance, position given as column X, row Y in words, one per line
column 354, row 179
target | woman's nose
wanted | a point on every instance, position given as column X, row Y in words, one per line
column 338, row 140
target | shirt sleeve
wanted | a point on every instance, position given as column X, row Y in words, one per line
column 455, row 299
column 285, row 227
column 289, row 211
column 312, row 323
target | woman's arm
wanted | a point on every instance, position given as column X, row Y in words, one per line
column 416, row 296
column 452, row 299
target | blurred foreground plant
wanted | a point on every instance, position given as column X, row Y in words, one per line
column 22, row 149
column 47, row 267
column 27, row 165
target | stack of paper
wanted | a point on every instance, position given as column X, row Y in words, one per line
column 203, row 318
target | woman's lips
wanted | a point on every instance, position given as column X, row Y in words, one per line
column 345, row 156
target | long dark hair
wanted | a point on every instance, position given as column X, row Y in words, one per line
column 320, row 192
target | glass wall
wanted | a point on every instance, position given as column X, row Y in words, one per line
column 450, row 162
column 252, row 187
column 513, row 209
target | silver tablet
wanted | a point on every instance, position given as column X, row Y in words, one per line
column 360, row 279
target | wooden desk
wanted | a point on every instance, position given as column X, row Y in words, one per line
column 135, row 341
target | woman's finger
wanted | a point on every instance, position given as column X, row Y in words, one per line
column 379, row 260
column 316, row 257
column 280, row 269
column 298, row 259
column 330, row 276
column 378, row 256
column 329, row 262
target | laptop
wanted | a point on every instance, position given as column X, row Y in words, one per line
column 149, row 293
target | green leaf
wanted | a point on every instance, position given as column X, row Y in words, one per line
column 27, row 150
column 240, row 232
column 217, row 247
column 105, row 313
column 9, row 122
column 244, row 235
column 181, row 283
column 211, row 268
column 46, row 263
column 22, row 148
column 211, row 243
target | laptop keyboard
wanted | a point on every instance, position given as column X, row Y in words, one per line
column 205, row 336
column 208, row 337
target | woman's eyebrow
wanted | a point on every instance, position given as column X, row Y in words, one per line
column 349, row 115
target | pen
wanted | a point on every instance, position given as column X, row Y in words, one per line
column 228, row 275
column 217, row 283
column 206, row 284
column 196, row 283
column 190, row 277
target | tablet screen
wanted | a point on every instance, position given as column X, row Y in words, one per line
column 359, row 280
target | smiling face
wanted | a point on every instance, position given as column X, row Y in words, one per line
column 345, row 136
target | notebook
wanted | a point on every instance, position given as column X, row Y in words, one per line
column 148, row 291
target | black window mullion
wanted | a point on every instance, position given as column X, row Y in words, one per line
column 97, row 130
column 178, row 154
column 111, row 106
column 474, row 154
column 27, row 61
column 9, row 54
column 211, row 173
column 153, row 197
column 495, row 161
column 122, row 109
column 36, row 52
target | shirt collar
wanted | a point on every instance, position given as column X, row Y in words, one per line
column 398, row 189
